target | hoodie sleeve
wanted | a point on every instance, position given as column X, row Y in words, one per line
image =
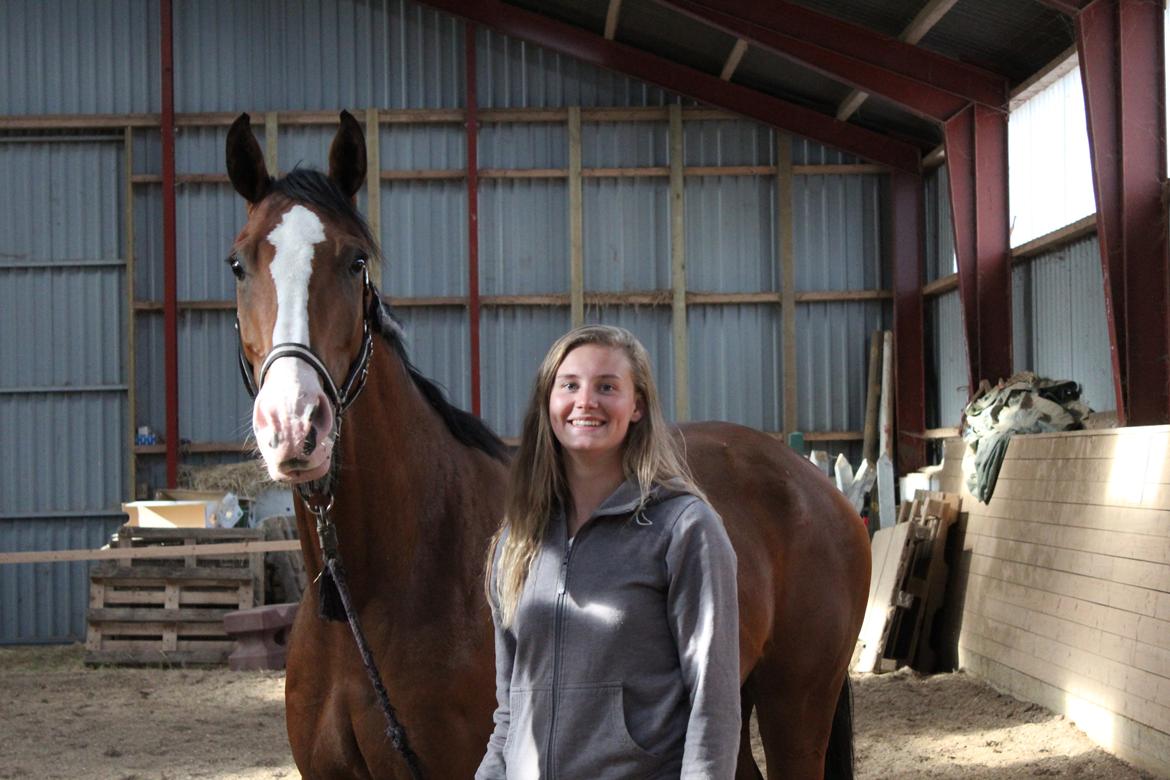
column 493, row 767
column 704, row 614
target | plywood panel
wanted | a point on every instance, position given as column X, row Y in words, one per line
column 1117, row 544
column 1142, row 574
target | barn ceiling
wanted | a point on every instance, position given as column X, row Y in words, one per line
column 805, row 65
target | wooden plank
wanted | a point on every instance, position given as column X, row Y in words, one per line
column 1057, row 238
column 943, row 284
column 786, row 259
column 612, row 14
column 842, row 295
column 657, row 172
column 374, row 186
column 203, row 551
column 447, row 174
column 1141, row 521
column 733, row 58
column 853, row 169
column 886, row 401
column 158, row 615
column 536, row 173
column 1117, row 543
column 576, row 230
column 872, row 391
column 889, row 553
column 678, row 270
column 163, row 574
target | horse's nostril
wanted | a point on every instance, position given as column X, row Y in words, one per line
column 310, row 441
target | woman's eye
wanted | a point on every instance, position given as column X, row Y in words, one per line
column 358, row 265
column 237, row 267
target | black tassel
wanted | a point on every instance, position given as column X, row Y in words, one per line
column 329, row 605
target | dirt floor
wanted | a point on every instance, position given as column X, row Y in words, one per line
column 59, row 719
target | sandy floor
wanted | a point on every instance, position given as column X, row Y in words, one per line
column 61, row 720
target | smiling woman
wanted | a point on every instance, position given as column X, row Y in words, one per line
column 613, row 585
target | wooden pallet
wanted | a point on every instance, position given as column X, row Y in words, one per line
column 907, row 585
column 170, row 610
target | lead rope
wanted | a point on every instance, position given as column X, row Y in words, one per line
column 319, row 505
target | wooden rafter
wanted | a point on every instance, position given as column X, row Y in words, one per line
column 733, row 58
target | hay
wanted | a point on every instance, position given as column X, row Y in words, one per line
column 247, row 480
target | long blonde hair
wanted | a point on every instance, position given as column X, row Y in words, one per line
column 537, row 486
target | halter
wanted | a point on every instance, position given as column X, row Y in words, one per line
column 319, row 500
column 340, row 398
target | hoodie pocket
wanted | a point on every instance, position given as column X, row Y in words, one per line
column 592, row 739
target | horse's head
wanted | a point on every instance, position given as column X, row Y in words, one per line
column 302, row 294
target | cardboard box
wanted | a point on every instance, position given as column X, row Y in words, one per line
column 169, row 514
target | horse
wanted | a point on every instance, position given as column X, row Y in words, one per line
column 416, row 487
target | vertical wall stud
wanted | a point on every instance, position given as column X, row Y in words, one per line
column 576, row 244
column 374, row 185
column 272, row 142
column 678, row 269
column 131, row 324
column 786, row 248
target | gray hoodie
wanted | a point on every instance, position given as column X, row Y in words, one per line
column 623, row 657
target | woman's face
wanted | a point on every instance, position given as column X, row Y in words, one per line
column 593, row 402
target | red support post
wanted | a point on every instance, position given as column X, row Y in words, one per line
column 905, row 253
column 170, row 286
column 597, row 50
column 976, row 146
column 1120, row 47
column 472, row 213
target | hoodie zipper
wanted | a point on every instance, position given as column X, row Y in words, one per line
column 558, row 614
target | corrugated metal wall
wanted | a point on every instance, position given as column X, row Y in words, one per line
column 946, row 347
column 1060, row 326
column 63, row 373
column 231, row 57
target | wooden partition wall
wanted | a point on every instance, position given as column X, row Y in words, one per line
column 1060, row 593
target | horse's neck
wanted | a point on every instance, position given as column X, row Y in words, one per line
column 401, row 472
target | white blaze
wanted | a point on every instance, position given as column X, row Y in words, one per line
column 299, row 230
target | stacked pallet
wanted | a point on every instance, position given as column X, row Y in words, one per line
column 1064, row 582
column 907, row 586
column 145, row 611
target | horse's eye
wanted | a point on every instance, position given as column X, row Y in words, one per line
column 237, row 267
column 358, row 265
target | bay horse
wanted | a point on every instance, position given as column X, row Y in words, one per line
column 418, row 491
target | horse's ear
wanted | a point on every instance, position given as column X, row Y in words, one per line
column 347, row 156
column 245, row 162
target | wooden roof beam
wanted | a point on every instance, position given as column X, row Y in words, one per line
column 733, row 58
column 611, row 18
column 596, row 50
column 928, row 84
column 930, row 15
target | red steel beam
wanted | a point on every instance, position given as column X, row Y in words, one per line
column 906, row 230
column 596, row 50
column 929, row 84
column 472, row 212
column 1120, row 47
column 976, row 146
column 170, row 286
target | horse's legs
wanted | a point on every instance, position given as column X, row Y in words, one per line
column 746, row 768
column 795, row 717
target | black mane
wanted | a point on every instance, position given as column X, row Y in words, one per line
column 313, row 188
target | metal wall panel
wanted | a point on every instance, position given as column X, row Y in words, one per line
column 46, row 602
column 729, row 235
column 948, row 349
column 318, row 54
column 523, row 236
column 438, row 344
column 80, row 56
column 424, row 238
column 517, row 74
column 1065, row 332
column 734, row 362
column 1050, row 179
column 728, row 142
column 940, row 232
column 515, row 340
column 832, row 350
column 837, row 232
column 626, row 234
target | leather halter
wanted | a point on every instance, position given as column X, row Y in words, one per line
column 342, row 397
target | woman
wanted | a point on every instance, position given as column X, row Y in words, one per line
column 612, row 585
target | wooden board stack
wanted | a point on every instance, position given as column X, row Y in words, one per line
column 1063, row 582
column 907, row 586
column 170, row 610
